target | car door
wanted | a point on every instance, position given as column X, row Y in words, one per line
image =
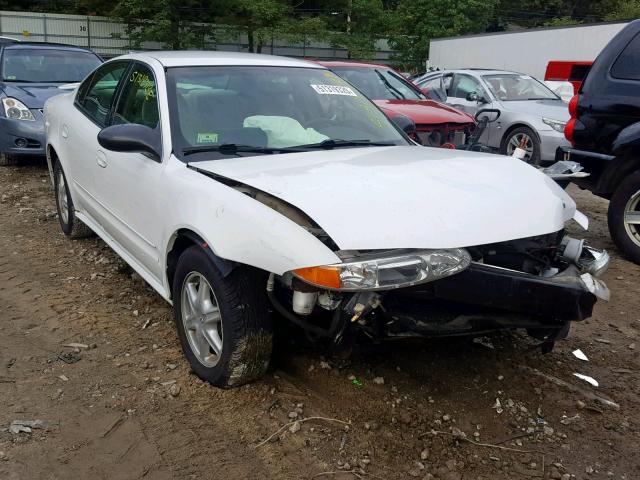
column 465, row 93
column 79, row 132
column 128, row 190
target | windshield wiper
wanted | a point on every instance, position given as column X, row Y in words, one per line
column 233, row 148
column 331, row 143
column 398, row 94
column 19, row 81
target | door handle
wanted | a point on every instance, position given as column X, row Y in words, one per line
column 101, row 159
column 65, row 131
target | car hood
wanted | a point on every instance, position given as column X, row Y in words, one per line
column 425, row 111
column 408, row 197
column 33, row 95
column 553, row 109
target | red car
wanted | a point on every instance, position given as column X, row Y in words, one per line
column 437, row 124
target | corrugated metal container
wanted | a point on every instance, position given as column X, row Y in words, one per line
column 527, row 52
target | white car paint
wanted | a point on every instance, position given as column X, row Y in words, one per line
column 366, row 197
column 408, row 197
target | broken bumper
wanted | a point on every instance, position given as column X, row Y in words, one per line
column 484, row 298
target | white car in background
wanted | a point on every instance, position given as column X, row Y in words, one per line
column 531, row 114
column 238, row 184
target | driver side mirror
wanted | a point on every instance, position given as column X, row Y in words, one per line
column 474, row 97
column 131, row 137
column 406, row 124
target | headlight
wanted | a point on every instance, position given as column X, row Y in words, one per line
column 557, row 125
column 16, row 110
column 387, row 272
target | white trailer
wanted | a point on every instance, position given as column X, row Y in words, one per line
column 526, row 51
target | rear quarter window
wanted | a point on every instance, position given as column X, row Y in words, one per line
column 627, row 65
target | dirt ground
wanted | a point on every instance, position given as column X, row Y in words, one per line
column 127, row 407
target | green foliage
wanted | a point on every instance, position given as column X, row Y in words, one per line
column 561, row 21
column 415, row 22
column 357, row 26
column 164, row 21
column 624, row 10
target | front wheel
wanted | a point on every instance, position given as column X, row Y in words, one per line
column 624, row 217
column 522, row 136
column 223, row 322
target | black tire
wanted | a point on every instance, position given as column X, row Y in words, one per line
column 70, row 224
column 7, row 160
column 535, row 157
column 626, row 237
column 243, row 310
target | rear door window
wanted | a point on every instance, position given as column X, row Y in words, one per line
column 627, row 65
column 96, row 98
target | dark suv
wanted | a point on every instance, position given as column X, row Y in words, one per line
column 605, row 133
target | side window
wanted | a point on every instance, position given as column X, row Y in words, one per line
column 138, row 102
column 83, row 88
column 100, row 91
column 627, row 65
column 464, row 84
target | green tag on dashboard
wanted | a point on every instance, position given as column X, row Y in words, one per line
column 207, row 138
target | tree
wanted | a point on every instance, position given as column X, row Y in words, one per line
column 414, row 22
column 168, row 22
column 356, row 25
column 624, row 10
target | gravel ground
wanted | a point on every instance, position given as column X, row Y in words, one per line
column 91, row 365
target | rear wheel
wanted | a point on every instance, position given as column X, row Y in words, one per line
column 522, row 136
column 7, row 159
column 69, row 223
column 624, row 217
column 223, row 322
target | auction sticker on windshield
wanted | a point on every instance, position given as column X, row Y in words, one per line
column 333, row 90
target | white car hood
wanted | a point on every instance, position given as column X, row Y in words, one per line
column 408, row 197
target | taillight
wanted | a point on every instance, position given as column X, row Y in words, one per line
column 573, row 106
column 568, row 129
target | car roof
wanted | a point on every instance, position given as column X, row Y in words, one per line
column 477, row 71
column 330, row 64
column 187, row 58
column 53, row 46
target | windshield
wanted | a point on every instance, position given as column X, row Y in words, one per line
column 513, row 86
column 44, row 65
column 378, row 83
column 269, row 108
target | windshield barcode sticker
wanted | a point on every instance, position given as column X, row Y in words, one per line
column 333, row 90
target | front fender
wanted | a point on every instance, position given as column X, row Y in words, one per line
column 238, row 228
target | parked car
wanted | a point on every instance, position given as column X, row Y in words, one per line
column 531, row 114
column 436, row 124
column 30, row 73
column 571, row 71
column 605, row 133
column 239, row 183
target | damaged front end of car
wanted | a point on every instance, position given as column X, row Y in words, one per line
column 540, row 284
column 484, row 266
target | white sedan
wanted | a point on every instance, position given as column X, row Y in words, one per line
column 238, row 185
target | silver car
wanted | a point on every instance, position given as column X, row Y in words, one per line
column 531, row 114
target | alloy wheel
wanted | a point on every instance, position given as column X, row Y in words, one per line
column 201, row 319
column 516, row 140
column 632, row 218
